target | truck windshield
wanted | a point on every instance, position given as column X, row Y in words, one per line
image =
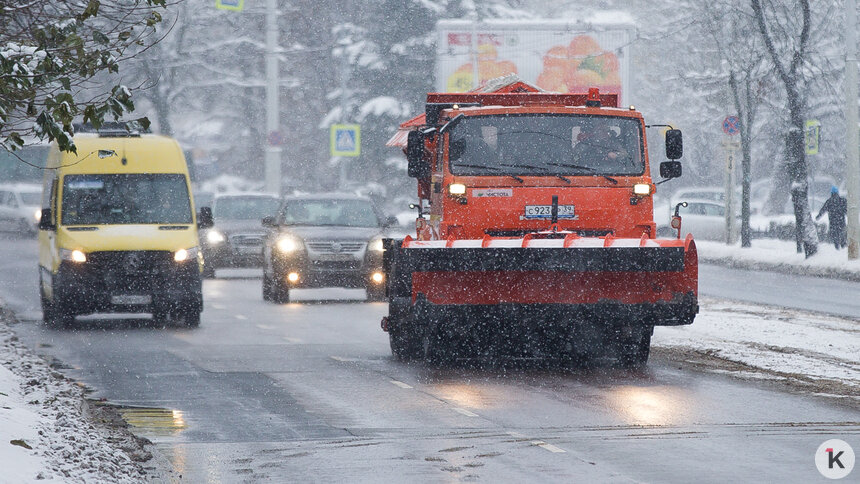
column 125, row 199
column 541, row 145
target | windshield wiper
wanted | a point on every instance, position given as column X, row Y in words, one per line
column 491, row 168
column 543, row 171
column 586, row 168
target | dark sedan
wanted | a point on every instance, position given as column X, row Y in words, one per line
column 236, row 240
column 324, row 241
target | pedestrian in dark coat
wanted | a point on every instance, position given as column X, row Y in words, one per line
column 836, row 208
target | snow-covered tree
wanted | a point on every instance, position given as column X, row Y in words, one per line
column 53, row 58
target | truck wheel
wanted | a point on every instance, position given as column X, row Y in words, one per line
column 405, row 344
column 636, row 349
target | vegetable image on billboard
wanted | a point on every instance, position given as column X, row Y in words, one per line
column 578, row 66
column 489, row 67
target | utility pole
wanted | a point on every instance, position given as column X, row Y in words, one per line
column 852, row 141
column 273, row 129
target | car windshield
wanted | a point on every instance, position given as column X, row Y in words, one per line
column 31, row 198
column 541, row 145
column 125, row 199
column 342, row 212
column 244, row 207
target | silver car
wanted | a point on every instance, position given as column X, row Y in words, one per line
column 329, row 240
column 20, row 208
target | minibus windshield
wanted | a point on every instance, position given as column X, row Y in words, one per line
column 108, row 199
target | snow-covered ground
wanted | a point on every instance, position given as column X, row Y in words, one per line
column 781, row 256
column 48, row 432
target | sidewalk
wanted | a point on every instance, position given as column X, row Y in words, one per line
column 781, row 256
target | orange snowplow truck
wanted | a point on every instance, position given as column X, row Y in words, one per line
column 535, row 235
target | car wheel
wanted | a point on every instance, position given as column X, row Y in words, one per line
column 190, row 315
column 267, row 287
column 55, row 315
column 280, row 291
column 376, row 293
column 160, row 314
column 208, row 271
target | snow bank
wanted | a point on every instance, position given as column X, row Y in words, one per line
column 781, row 256
column 45, row 433
column 807, row 349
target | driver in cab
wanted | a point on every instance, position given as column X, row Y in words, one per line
column 598, row 146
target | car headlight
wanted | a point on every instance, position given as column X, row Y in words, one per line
column 375, row 245
column 183, row 255
column 214, row 237
column 37, row 215
column 289, row 243
column 73, row 255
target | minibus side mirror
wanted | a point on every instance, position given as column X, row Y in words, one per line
column 45, row 222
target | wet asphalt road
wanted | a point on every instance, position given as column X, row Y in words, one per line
column 308, row 391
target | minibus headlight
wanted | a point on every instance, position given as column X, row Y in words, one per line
column 183, row 255
column 75, row 255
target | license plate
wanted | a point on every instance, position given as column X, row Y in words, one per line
column 335, row 257
column 131, row 299
column 545, row 211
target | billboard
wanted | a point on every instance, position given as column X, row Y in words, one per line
column 555, row 56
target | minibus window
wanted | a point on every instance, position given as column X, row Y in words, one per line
column 160, row 198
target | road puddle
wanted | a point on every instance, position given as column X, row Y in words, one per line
column 155, row 421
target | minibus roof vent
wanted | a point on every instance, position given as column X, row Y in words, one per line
column 114, row 129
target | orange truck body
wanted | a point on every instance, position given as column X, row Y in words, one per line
column 568, row 258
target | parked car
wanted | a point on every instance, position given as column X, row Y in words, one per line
column 236, row 240
column 327, row 240
column 705, row 219
column 20, row 208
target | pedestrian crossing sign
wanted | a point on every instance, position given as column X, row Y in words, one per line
column 345, row 139
column 235, row 5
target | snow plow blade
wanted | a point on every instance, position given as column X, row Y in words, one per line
column 642, row 281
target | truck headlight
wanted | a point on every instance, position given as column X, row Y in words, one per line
column 457, row 189
column 375, row 245
column 73, row 255
column 183, row 255
column 289, row 243
column 642, row 189
column 214, row 237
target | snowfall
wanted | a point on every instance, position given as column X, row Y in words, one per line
column 49, row 431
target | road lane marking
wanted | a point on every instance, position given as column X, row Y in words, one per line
column 341, row 358
column 516, row 435
column 265, row 326
column 549, row 447
column 218, row 306
column 400, row 384
column 465, row 412
column 241, row 316
column 292, row 340
column 171, row 373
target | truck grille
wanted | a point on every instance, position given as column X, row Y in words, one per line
column 333, row 247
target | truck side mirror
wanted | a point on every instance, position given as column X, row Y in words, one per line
column 45, row 222
column 674, row 144
column 205, row 219
column 670, row 169
column 269, row 221
column 416, row 168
